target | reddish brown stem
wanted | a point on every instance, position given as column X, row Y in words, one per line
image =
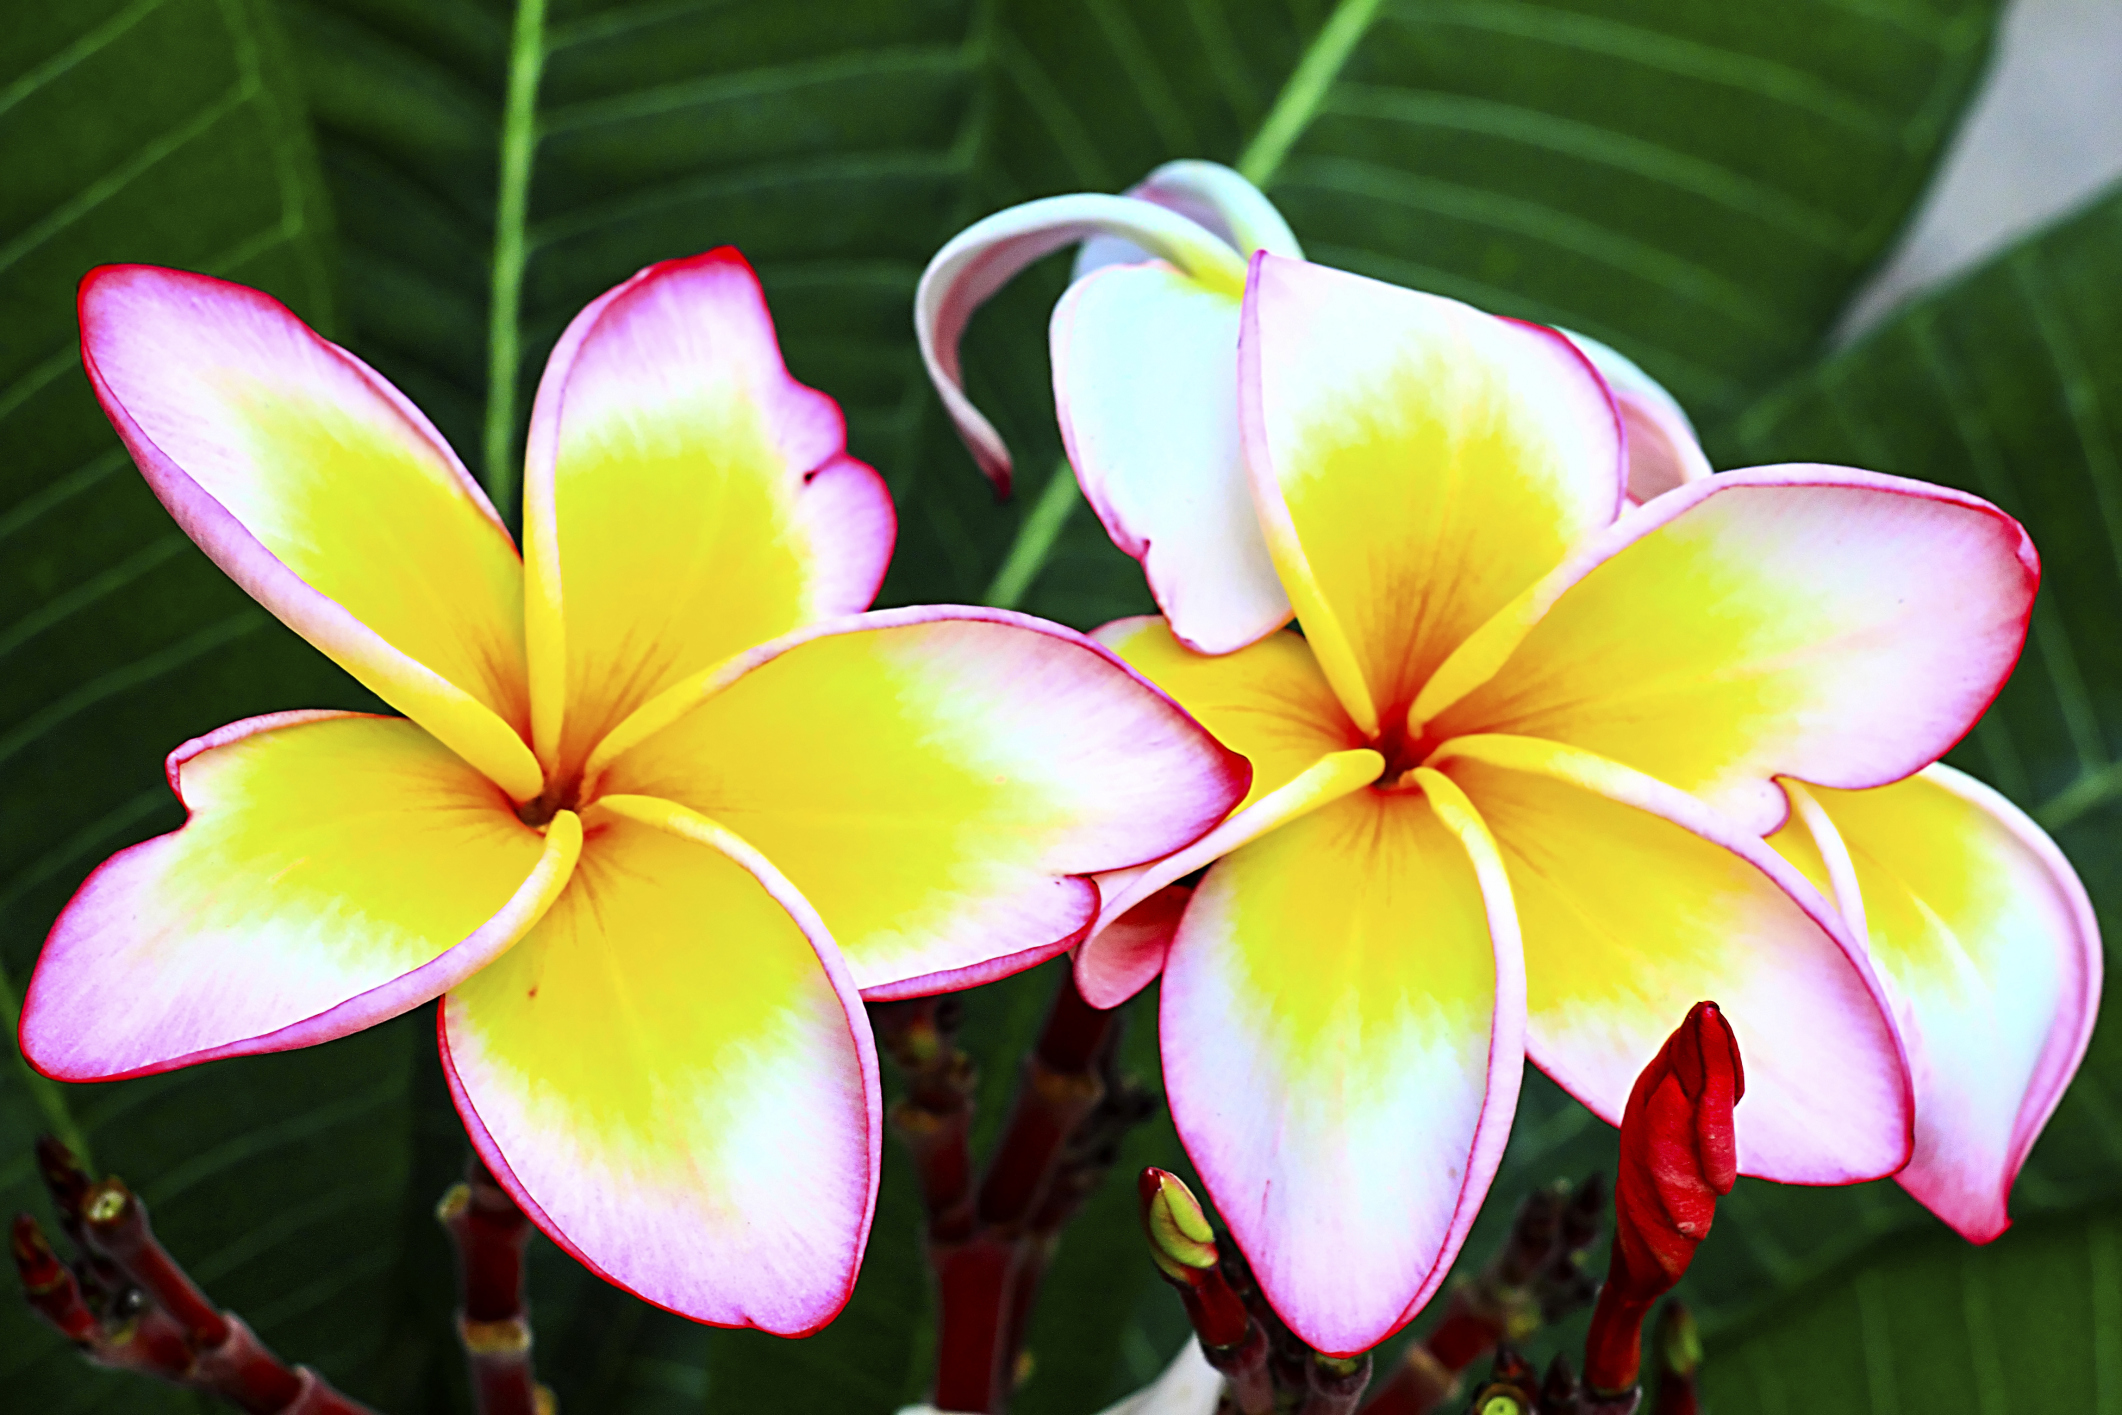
column 490, row 1233
column 1336, row 1385
column 127, row 1304
column 1245, row 1370
column 1058, row 1091
column 1535, row 1277
column 989, row 1248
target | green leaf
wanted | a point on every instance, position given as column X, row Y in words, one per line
column 1932, row 1324
column 165, row 131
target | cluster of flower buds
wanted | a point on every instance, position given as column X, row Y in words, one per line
column 127, row 1305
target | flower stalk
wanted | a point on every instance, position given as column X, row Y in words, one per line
column 125, row 1303
column 490, row 1232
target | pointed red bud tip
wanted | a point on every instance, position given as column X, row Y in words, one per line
column 1704, row 1058
column 1180, row 1239
column 63, row 1175
column 35, row 1262
column 49, row 1284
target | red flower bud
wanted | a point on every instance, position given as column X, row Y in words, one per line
column 1678, row 1156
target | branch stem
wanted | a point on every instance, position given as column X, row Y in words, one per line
column 125, row 1303
column 490, row 1233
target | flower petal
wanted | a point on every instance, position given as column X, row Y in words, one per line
column 1145, row 385
column 1120, row 960
column 337, row 869
column 1833, row 625
column 1416, row 464
column 1268, row 701
column 1991, row 954
column 1217, row 198
column 325, row 494
column 1188, row 1386
column 1342, row 1031
column 675, row 1078
column 988, row 254
column 1636, row 902
column 685, row 499
column 938, row 782
column 1663, row 451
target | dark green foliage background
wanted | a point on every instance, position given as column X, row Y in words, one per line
column 1700, row 183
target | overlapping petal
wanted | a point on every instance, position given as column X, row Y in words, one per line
column 988, row 254
column 1635, row 902
column 1416, row 464
column 1145, row 384
column 938, row 782
column 1341, row 1016
column 673, row 1075
column 1123, row 957
column 1991, row 954
column 684, row 499
column 318, row 488
column 337, row 870
column 1663, row 452
column 1214, row 197
column 1819, row 622
column 1268, row 701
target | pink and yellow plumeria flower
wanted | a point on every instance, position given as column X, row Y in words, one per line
column 1511, row 785
column 663, row 807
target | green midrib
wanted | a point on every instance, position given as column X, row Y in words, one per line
column 519, row 142
column 1295, row 107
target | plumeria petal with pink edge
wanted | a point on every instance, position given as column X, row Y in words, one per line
column 1991, row 956
column 650, row 1031
column 1144, row 345
column 1662, row 450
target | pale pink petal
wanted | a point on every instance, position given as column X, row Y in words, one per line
column 674, row 1077
column 940, row 782
column 1663, row 451
column 1991, row 953
column 987, row 255
column 325, row 494
column 1124, row 957
column 1342, row 1025
column 1210, row 195
column 1146, row 388
column 1829, row 624
column 1636, row 902
column 337, row 869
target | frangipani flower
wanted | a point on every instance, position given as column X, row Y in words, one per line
column 663, row 805
column 1511, row 786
